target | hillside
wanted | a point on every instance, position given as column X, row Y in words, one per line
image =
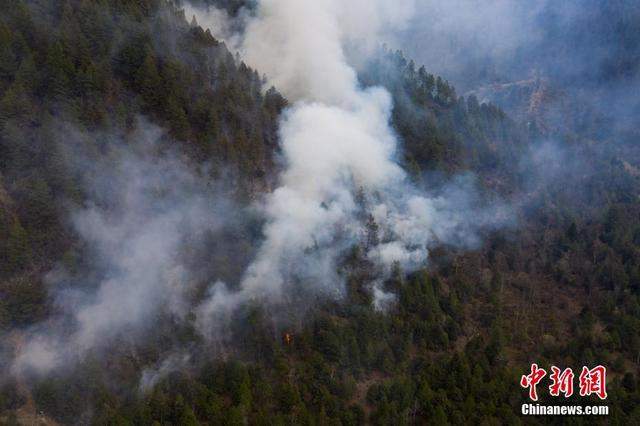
column 137, row 153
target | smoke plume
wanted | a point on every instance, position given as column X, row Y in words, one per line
column 340, row 186
column 339, row 154
column 146, row 208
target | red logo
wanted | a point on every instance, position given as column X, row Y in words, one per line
column 531, row 381
column 591, row 381
column 561, row 382
column 594, row 381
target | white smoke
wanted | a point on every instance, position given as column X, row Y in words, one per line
column 336, row 140
column 300, row 45
column 218, row 22
column 382, row 300
column 144, row 208
column 151, row 376
column 339, row 156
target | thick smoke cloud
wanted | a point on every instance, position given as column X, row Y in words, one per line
column 300, row 45
column 339, row 155
column 340, row 186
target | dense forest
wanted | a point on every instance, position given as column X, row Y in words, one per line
column 561, row 285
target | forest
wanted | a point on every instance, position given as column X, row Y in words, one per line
column 103, row 99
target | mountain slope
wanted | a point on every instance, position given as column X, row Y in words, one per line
column 80, row 80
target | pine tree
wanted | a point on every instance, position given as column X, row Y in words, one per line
column 178, row 121
column 148, row 81
column 59, row 70
column 8, row 60
column 15, row 105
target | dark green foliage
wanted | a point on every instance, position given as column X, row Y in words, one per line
column 97, row 67
column 438, row 130
column 564, row 287
column 10, row 398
